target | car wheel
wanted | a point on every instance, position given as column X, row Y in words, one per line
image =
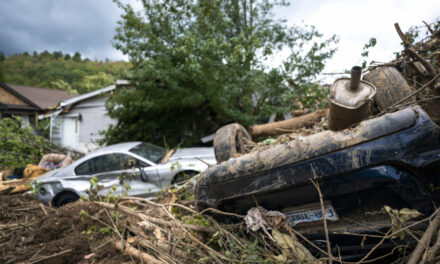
column 390, row 87
column 65, row 198
column 230, row 141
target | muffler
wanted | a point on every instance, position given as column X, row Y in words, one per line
column 350, row 100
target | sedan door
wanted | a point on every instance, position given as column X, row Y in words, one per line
column 119, row 174
column 143, row 178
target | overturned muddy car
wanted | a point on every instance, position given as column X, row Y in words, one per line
column 391, row 160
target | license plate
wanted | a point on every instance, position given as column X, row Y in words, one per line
column 310, row 214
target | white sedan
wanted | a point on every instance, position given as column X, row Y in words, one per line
column 132, row 168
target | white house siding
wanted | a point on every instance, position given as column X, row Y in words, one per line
column 80, row 127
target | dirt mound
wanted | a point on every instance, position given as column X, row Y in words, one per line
column 34, row 233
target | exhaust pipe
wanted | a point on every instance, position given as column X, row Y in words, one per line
column 356, row 73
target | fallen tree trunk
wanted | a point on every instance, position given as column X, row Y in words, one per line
column 286, row 126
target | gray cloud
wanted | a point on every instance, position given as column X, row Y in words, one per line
column 86, row 26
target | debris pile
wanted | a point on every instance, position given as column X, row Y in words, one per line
column 169, row 230
column 419, row 63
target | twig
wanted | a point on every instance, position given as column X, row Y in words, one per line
column 209, row 165
column 160, row 244
column 379, row 257
column 147, row 218
column 167, row 156
column 182, row 206
column 324, row 220
column 103, row 244
column 424, row 241
column 434, row 249
column 308, row 241
column 159, row 249
column 429, row 27
column 25, row 209
column 38, row 252
column 47, row 257
column 220, row 212
column 418, row 101
column 412, row 51
column 115, row 229
column 376, row 246
column 435, row 53
column 42, row 208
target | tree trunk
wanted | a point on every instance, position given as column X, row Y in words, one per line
column 286, row 126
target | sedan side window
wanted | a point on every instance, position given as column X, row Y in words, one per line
column 84, row 168
column 106, row 163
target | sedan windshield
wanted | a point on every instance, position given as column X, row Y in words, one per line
column 149, row 151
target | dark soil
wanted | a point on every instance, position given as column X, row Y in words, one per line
column 28, row 234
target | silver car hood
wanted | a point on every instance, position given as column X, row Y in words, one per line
column 192, row 152
column 48, row 175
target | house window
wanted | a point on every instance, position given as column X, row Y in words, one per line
column 7, row 116
column 32, row 120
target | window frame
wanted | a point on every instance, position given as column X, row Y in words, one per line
column 92, row 161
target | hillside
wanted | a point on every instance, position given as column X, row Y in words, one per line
column 60, row 71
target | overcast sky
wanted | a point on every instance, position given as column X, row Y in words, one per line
column 88, row 26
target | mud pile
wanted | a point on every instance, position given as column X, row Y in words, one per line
column 33, row 233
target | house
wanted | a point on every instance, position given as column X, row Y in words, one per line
column 28, row 102
column 78, row 122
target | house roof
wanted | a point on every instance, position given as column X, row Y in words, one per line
column 42, row 98
column 86, row 96
column 18, row 107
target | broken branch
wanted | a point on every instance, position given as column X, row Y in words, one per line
column 281, row 127
column 126, row 248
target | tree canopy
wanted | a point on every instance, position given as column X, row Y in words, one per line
column 60, row 71
column 198, row 65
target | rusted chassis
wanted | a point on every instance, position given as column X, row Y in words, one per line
column 396, row 155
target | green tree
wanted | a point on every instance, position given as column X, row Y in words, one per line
column 62, row 85
column 19, row 144
column 201, row 64
column 2, row 71
column 94, row 82
column 2, row 74
column 57, row 55
column 76, row 57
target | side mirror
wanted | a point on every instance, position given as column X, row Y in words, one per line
column 142, row 174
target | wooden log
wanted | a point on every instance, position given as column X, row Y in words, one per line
column 144, row 257
column 286, row 126
column 299, row 112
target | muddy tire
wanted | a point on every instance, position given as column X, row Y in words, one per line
column 230, row 141
column 65, row 198
column 390, row 87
